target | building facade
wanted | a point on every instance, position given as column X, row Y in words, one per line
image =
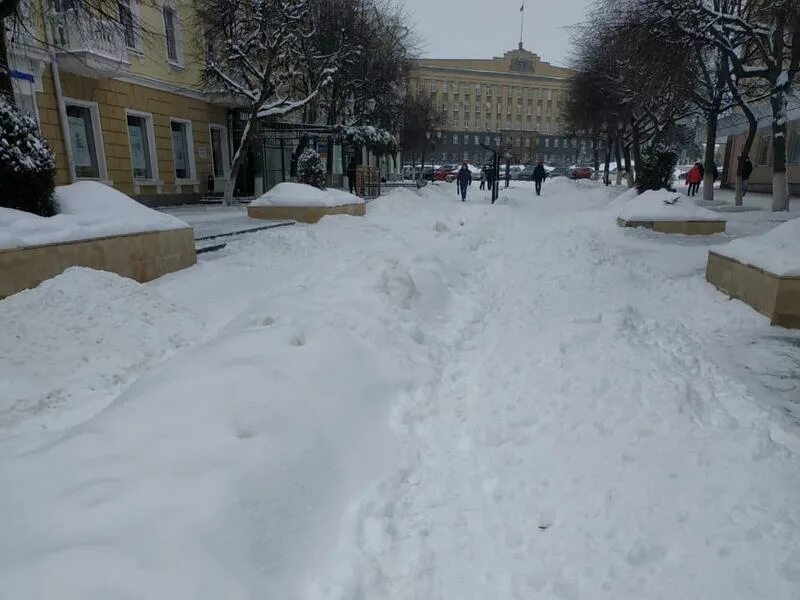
column 121, row 101
column 515, row 102
column 734, row 130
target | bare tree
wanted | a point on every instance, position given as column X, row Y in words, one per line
column 254, row 51
column 761, row 41
column 420, row 119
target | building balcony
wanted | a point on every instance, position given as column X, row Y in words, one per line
column 89, row 46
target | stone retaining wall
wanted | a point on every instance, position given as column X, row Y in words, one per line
column 304, row 214
column 140, row 256
column 775, row 297
column 682, row 227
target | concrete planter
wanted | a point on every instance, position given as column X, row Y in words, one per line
column 140, row 256
column 304, row 214
column 678, row 227
column 775, row 297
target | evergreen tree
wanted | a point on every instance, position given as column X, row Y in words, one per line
column 27, row 165
column 309, row 169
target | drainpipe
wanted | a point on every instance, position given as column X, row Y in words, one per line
column 62, row 111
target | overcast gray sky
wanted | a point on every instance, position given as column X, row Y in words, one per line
column 486, row 28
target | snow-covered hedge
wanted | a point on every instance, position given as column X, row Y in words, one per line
column 88, row 210
column 777, row 251
column 27, row 165
column 298, row 194
column 310, row 170
column 662, row 205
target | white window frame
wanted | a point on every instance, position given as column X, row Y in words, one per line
column 226, row 157
column 151, row 145
column 97, row 131
column 179, row 61
column 180, row 181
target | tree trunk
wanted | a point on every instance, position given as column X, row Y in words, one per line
column 780, row 182
column 596, row 155
column 607, row 170
column 637, row 152
column 626, row 150
column 6, row 87
column 619, row 159
column 709, row 164
column 238, row 158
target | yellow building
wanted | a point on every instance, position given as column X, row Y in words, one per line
column 121, row 101
column 514, row 101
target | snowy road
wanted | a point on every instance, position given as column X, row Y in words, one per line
column 439, row 402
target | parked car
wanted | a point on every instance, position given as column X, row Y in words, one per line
column 581, row 173
column 557, row 171
column 442, row 172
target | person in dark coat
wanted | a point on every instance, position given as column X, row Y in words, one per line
column 483, row 178
column 539, row 175
column 351, row 174
column 464, row 180
column 747, row 170
column 490, row 177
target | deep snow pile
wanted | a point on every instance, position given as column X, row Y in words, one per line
column 663, row 205
column 441, row 400
column 777, row 251
column 300, row 194
column 69, row 346
column 88, row 209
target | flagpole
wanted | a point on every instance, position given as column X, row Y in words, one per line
column 522, row 24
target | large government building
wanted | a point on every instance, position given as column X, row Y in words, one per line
column 515, row 102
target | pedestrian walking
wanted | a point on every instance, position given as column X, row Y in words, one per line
column 693, row 178
column 747, row 170
column 351, row 175
column 464, row 180
column 490, row 177
column 539, row 175
column 483, row 178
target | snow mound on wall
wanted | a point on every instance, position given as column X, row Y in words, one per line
column 299, row 194
column 88, row 209
column 93, row 332
column 663, row 205
column 777, row 251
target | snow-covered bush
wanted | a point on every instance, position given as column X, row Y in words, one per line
column 657, row 170
column 309, row 169
column 27, row 165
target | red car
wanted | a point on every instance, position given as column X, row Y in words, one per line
column 581, row 173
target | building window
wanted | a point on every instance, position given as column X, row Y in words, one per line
column 142, row 145
column 763, row 150
column 455, row 140
column 172, row 34
column 128, row 23
column 85, row 139
column 547, row 142
column 182, row 149
column 220, row 156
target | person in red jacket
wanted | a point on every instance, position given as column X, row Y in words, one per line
column 693, row 178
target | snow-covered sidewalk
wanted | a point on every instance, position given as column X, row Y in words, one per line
column 439, row 401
